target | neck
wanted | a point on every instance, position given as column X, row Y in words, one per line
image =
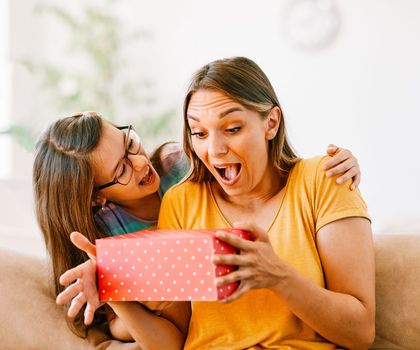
column 146, row 208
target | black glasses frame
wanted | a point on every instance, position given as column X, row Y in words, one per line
column 127, row 152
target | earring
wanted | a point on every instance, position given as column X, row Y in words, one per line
column 102, row 203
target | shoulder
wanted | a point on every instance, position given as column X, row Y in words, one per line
column 180, row 202
column 310, row 165
column 330, row 201
column 170, row 155
column 307, row 171
column 308, row 178
column 166, row 156
column 186, row 189
column 186, row 194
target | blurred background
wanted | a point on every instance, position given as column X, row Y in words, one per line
column 346, row 72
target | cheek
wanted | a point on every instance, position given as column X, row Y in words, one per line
column 199, row 148
column 257, row 155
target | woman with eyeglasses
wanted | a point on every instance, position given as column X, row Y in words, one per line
column 93, row 177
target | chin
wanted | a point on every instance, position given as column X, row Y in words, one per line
column 229, row 190
column 156, row 185
column 153, row 187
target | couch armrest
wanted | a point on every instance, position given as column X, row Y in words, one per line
column 397, row 259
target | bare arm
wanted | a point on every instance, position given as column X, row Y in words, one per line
column 344, row 313
column 347, row 315
column 147, row 329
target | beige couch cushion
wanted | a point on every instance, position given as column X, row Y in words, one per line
column 29, row 316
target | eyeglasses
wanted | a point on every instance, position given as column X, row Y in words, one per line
column 124, row 170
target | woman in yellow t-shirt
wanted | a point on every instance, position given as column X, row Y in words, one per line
column 307, row 278
column 243, row 168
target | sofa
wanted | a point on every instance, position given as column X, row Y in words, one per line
column 30, row 319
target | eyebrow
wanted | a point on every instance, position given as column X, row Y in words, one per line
column 222, row 115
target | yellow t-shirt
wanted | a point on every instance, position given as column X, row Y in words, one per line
column 260, row 319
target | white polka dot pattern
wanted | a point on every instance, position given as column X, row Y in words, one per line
column 163, row 265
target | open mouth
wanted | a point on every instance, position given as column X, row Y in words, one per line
column 229, row 173
column 147, row 178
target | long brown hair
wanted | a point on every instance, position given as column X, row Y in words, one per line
column 242, row 80
column 63, row 182
column 64, row 187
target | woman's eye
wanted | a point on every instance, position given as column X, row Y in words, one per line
column 130, row 145
column 198, row 134
column 233, row 130
column 121, row 170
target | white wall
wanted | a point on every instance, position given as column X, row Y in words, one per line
column 361, row 91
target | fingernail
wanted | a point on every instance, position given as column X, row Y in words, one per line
column 324, row 166
column 329, row 173
column 339, row 180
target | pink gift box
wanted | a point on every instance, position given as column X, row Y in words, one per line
column 163, row 265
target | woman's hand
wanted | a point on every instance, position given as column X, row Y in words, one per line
column 258, row 264
column 342, row 162
column 80, row 282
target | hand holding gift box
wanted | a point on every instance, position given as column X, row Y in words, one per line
column 163, row 265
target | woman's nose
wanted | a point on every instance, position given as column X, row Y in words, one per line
column 217, row 146
column 139, row 161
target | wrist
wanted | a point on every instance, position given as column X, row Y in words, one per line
column 283, row 274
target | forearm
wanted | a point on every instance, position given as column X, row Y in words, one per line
column 340, row 318
column 147, row 329
column 177, row 312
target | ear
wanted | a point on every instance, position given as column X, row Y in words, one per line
column 272, row 123
column 98, row 201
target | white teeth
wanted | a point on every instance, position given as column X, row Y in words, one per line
column 145, row 175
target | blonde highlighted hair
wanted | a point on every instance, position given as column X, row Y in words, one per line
column 242, row 80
